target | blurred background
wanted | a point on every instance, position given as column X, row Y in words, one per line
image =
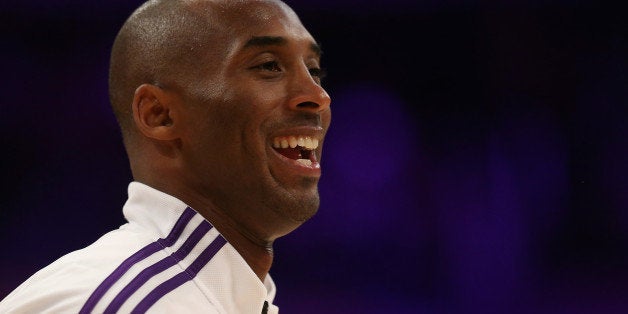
column 476, row 163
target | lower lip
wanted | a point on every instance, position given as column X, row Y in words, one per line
column 313, row 170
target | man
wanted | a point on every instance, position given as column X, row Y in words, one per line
column 223, row 118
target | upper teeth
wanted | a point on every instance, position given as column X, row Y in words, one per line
column 306, row 142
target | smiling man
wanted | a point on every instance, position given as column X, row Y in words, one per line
column 223, row 117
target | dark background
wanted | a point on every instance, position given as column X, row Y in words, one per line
column 476, row 163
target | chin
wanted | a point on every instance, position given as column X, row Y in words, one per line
column 304, row 213
column 297, row 208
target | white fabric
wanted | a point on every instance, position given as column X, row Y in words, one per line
column 224, row 284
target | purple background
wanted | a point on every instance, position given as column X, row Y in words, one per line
column 476, row 163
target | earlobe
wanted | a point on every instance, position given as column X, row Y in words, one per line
column 153, row 112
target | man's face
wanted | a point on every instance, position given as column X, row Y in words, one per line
column 247, row 113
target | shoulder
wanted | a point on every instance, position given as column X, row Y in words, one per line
column 64, row 285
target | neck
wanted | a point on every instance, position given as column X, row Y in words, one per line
column 257, row 253
column 259, row 258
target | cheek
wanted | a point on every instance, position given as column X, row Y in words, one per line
column 233, row 128
column 235, row 118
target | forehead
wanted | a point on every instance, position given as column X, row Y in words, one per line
column 244, row 20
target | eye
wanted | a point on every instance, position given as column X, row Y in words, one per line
column 272, row 66
column 318, row 73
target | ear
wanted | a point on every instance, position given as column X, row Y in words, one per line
column 154, row 112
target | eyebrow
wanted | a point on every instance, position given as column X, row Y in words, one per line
column 263, row 41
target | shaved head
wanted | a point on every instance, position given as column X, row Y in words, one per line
column 159, row 44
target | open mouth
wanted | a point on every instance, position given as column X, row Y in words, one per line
column 298, row 148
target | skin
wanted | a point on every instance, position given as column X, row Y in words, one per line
column 199, row 125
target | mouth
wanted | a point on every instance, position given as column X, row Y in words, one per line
column 300, row 149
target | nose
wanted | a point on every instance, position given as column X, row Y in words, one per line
column 306, row 93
